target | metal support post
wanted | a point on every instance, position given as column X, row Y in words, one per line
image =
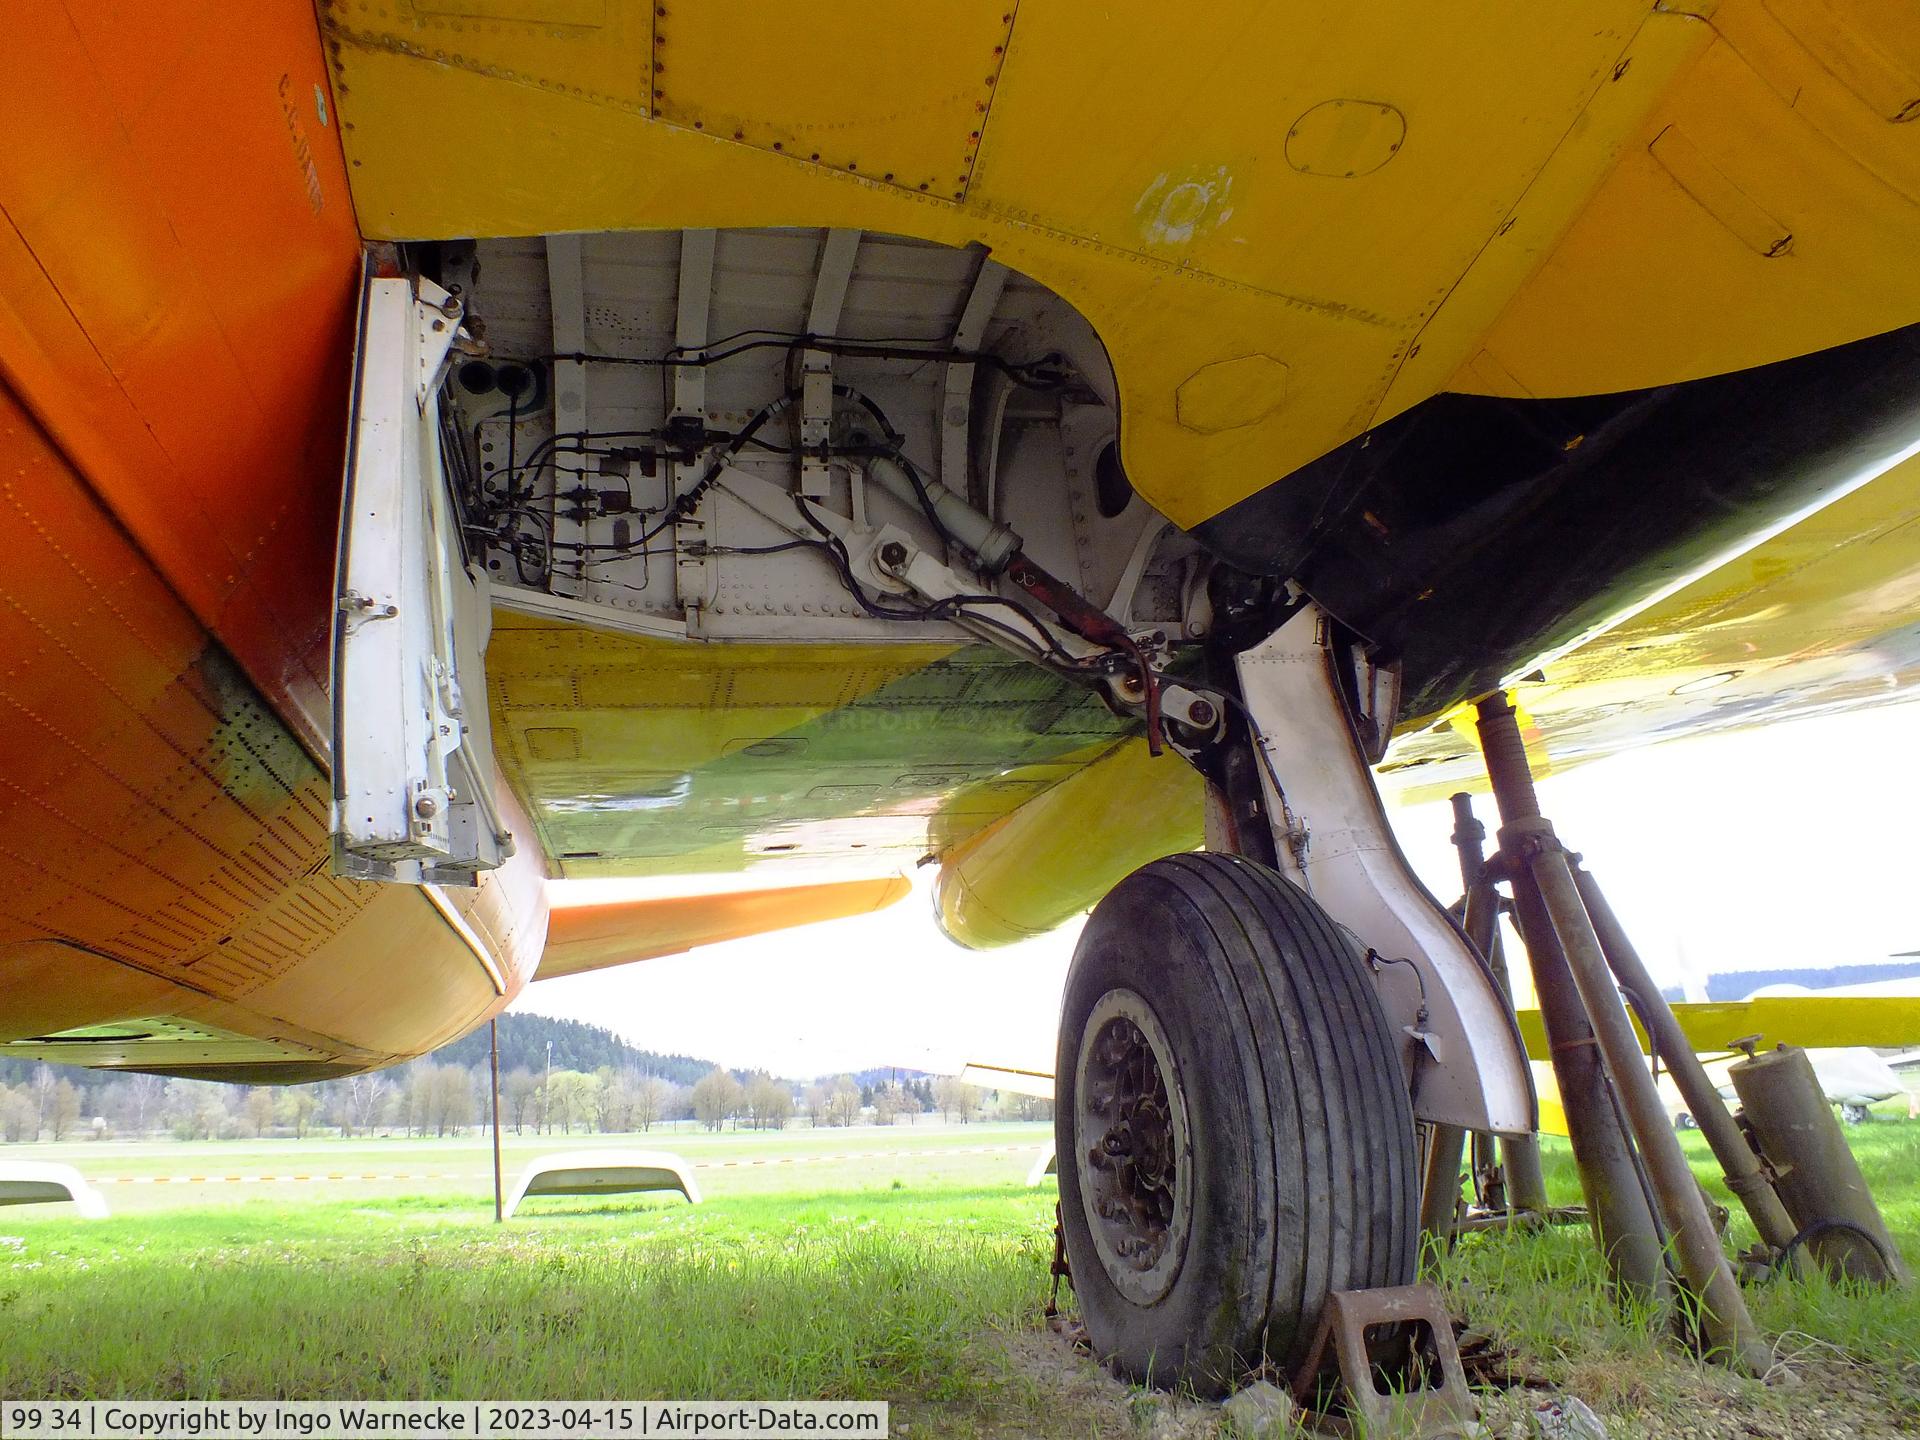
column 1489, row 1172
column 1617, row 1207
column 1520, row 1173
column 1483, row 1157
column 1745, row 1177
column 1440, row 1189
column 1531, row 846
column 493, row 1054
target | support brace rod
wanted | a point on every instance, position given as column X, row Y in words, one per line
column 1623, row 1222
column 1440, row 1187
column 1738, row 1163
column 1536, row 855
column 1525, row 1182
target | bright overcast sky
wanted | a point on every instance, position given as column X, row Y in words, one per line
column 1787, row 846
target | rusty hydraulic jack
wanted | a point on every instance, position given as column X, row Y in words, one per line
column 1642, row 1198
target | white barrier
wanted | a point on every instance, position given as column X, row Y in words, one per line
column 1046, row 1165
column 35, row 1182
column 603, row 1172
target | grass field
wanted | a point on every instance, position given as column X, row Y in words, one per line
column 907, row 1265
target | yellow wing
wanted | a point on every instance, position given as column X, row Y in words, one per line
column 1814, row 1022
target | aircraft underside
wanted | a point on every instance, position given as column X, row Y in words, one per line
column 615, row 372
column 797, row 483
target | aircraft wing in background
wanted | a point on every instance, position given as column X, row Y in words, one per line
column 1009, row 1078
column 599, row 935
column 1813, row 1022
column 1837, row 1030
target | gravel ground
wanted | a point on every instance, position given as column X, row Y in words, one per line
column 1053, row 1389
column 1825, row 1400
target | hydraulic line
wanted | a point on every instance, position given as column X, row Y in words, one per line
column 1092, row 624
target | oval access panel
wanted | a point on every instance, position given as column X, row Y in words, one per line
column 1341, row 139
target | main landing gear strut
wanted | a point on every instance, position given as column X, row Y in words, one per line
column 1245, row 1046
column 1234, row 1131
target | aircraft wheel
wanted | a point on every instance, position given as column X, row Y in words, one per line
column 1855, row 1114
column 1232, row 1124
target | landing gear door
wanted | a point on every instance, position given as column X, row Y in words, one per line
column 412, row 749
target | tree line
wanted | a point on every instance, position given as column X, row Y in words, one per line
column 429, row 1098
column 556, row 1076
column 442, row 1093
column 420, row 1099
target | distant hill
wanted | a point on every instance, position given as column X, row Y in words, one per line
column 523, row 1046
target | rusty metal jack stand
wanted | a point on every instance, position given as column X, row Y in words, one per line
column 1598, row 1061
column 1440, row 1409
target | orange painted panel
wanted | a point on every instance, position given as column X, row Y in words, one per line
column 178, row 257
column 178, row 270
column 164, row 836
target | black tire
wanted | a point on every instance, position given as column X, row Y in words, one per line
column 1285, row 1116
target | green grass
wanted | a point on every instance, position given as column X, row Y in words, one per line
column 913, row 1278
column 1544, row 1297
column 912, row 1272
column 861, row 1295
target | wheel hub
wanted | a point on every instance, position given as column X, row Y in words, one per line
column 1134, row 1169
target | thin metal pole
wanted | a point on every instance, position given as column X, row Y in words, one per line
column 1469, row 838
column 1478, row 909
column 1738, row 1163
column 1526, row 1182
column 493, row 1040
column 1469, row 834
column 1617, row 1206
column 1489, row 1172
column 1523, row 1179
